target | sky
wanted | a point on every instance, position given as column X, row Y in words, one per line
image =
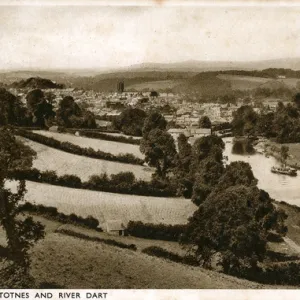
column 97, row 36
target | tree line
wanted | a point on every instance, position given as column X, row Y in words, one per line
column 39, row 111
column 282, row 125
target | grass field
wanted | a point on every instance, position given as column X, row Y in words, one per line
column 239, row 82
column 114, row 148
column 66, row 163
column 110, row 206
column 243, row 82
column 92, row 265
column 96, row 266
column 155, row 85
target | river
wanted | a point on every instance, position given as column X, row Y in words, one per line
column 280, row 187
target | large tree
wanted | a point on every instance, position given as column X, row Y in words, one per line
column 244, row 121
column 21, row 233
column 152, row 121
column 11, row 109
column 182, row 168
column 204, row 122
column 159, row 149
column 234, row 222
column 131, row 121
column 69, row 114
column 40, row 108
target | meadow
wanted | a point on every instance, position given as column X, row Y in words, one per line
column 93, row 265
column 114, row 148
column 66, row 163
column 110, row 206
column 239, row 82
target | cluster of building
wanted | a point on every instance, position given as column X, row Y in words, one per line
column 182, row 114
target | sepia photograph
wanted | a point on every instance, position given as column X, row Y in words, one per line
column 149, row 145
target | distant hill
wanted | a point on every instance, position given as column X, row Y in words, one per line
column 36, row 83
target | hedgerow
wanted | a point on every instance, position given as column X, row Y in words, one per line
column 74, row 149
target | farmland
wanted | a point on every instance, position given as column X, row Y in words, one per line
column 109, row 206
column 114, row 148
column 243, row 82
column 65, row 163
column 240, row 82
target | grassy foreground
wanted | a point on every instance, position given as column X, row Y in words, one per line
column 76, row 263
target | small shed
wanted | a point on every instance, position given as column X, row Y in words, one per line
column 115, row 227
column 53, row 129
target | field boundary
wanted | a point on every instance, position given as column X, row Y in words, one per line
column 74, row 149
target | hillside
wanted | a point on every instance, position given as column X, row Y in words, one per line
column 95, row 265
column 66, row 163
column 109, row 206
column 36, row 83
column 107, row 146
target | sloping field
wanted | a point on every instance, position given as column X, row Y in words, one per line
column 66, row 163
column 114, row 148
column 92, row 265
column 155, row 85
column 239, row 82
column 110, row 206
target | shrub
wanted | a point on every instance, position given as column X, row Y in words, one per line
column 107, row 137
column 52, row 212
column 160, row 252
column 155, row 231
column 124, row 182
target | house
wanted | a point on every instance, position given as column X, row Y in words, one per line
column 115, row 227
column 175, row 132
column 200, row 132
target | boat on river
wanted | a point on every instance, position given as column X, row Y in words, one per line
column 284, row 170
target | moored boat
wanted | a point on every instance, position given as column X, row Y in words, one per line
column 284, row 171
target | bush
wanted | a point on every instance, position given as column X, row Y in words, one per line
column 160, row 252
column 123, row 182
column 74, row 149
column 107, row 137
column 52, row 212
column 155, row 231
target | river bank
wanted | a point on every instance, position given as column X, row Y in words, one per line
column 270, row 148
column 280, row 187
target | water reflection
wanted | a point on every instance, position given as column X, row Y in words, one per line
column 280, row 187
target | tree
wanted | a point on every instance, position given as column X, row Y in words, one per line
column 182, row 168
column 67, row 108
column 131, row 121
column 206, row 146
column 39, row 107
column 234, row 223
column 284, row 154
column 21, row 234
column 204, row 122
column 297, row 100
column 11, row 109
column 154, row 94
column 152, row 121
column 159, row 149
column 244, row 121
column 69, row 114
